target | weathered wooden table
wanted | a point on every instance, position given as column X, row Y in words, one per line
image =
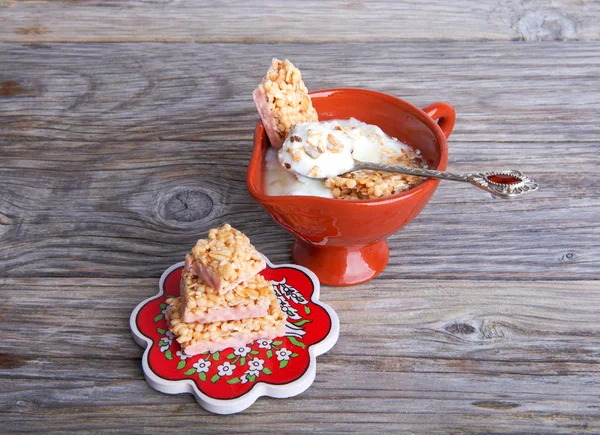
column 125, row 132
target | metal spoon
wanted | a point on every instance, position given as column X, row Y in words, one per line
column 503, row 184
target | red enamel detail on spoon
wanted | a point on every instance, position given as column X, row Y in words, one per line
column 503, row 179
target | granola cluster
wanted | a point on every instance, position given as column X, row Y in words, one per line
column 369, row 184
column 199, row 297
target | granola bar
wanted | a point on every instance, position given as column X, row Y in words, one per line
column 201, row 303
column 196, row 338
column 225, row 259
column 282, row 101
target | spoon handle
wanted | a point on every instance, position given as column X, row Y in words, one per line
column 420, row 172
column 505, row 185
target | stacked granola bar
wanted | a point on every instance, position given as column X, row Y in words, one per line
column 224, row 302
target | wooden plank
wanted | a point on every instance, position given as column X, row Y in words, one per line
column 507, row 321
column 132, row 406
column 427, row 356
column 202, row 92
column 110, row 168
column 290, row 21
column 116, row 222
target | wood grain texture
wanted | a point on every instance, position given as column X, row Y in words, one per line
column 201, row 92
column 297, row 21
column 115, row 169
column 431, row 357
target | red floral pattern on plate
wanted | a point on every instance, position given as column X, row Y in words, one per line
column 230, row 380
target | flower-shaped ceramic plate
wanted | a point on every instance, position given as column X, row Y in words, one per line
column 231, row 380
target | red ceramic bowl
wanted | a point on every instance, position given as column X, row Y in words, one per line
column 343, row 242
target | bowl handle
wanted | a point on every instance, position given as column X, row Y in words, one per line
column 444, row 114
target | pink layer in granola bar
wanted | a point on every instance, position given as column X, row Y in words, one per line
column 261, row 100
column 225, row 259
column 202, row 303
column 234, row 340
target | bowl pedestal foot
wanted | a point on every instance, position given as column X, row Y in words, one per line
column 342, row 265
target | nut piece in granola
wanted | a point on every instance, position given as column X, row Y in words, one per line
column 282, row 101
column 196, row 337
column 202, row 303
column 225, row 259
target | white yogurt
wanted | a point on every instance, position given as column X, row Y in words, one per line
column 318, row 149
column 279, row 181
column 326, row 149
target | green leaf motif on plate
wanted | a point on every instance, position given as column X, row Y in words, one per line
column 302, row 322
column 157, row 318
column 231, row 356
column 283, row 364
column 181, row 365
column 234, row 381
column 254, row 352
column 277, row 343
column 294, row 355
column 269, row 353
column 306, row 309
column 295, row 341
column 190, row 371
column 202, row 376
column 216, row 356
column 160, row 330
column 163, row 306
column 168, row 355
column 215, row 378
column 267, row 371
column 243, row 361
